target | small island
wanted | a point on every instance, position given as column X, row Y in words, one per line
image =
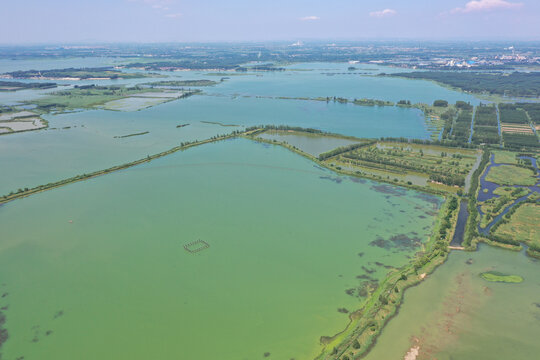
column 17, row 85
column 182, row 83
column 72, row 74
column 495, row 276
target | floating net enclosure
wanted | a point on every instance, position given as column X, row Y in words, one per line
column 196, row 246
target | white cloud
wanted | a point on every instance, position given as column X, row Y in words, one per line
column 486, row 5
column 310, row 18
column 155, row 4
column 173, row 16
column 383, row 13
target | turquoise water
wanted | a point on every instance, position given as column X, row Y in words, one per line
column 333, row 79
column 360, row 121
column 35, row 158
column 32, row 159
column 102, row 270
column 301, row 80
column 314, row 145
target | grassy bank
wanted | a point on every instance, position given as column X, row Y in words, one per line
column 511, row 175
column 367, row 323
column 130, row 135
column 471, row 231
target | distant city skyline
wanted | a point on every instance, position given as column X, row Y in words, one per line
column 62, row 21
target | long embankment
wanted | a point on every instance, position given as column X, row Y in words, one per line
column 367, row 323
column 472, row 220
column 31, row 191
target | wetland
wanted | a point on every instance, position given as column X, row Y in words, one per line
column 164, row 216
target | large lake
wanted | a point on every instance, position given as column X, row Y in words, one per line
column 85, row 141
column 98, row 269
column 102, row 271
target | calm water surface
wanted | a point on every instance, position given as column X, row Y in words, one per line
column 287, row 241
column 314, row 145
column 40, row 157
column 457, row 315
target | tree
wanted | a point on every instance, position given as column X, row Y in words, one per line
column 440, row 103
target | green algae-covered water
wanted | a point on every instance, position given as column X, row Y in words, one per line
column 98, row 269
column 455, row 314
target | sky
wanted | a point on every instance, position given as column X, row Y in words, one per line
column 87, row 21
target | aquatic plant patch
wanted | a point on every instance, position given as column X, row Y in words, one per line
column 495, row 276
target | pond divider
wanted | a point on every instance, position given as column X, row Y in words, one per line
column 184, row 146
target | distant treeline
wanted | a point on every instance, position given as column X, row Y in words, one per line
column 83, row 73
column 178, row 83
column 259, row 68
column 341, row 150
column 285, row 128
column 449, row 143
column 200, row 64
column 16, row 85
column 511, row 84
column 193, row 64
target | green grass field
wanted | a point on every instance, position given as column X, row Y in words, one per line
column 523, row 225
column 511, row 175
column 505, row 157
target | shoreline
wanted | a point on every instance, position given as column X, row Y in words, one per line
column 494, row 98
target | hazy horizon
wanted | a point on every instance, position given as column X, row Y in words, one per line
column 172, row 21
